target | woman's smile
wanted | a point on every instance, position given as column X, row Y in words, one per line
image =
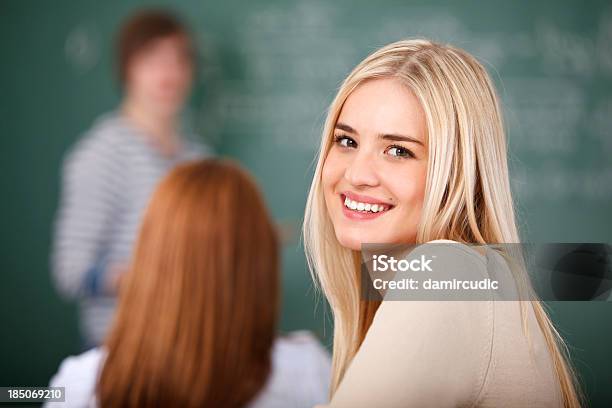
column 362, row 208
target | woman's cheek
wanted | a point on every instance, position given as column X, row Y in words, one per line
column 328, row 183
column 332, row 171
column 413, row 183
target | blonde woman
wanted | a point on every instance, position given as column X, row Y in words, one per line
column 413, row 151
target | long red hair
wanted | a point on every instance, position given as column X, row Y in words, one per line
column 198, row 309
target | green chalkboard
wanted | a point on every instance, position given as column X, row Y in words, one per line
column 267, row 71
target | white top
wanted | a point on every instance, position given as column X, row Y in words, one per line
column 299, row 377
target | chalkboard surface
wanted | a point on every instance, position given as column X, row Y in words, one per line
column 267, row 72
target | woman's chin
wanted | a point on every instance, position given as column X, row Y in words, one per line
column 352, row 241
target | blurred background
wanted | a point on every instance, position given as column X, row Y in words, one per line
column 267, row 71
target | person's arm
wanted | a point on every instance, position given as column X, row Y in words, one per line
column 89, row 199
column 422, row 354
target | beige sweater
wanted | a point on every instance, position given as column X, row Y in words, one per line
column 451, row 354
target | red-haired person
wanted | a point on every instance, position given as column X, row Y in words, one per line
column 196, row 323
column 108, row 176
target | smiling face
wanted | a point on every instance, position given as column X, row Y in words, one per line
column 375, row 171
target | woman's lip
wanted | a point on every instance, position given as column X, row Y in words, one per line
column 363, row 198
column 362, row 215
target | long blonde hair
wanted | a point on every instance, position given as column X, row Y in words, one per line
column 198, row 310
column 467, row 196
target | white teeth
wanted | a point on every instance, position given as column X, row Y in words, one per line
column 355, row 205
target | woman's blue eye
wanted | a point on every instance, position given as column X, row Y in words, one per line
column 399, row 151
column 344, row 141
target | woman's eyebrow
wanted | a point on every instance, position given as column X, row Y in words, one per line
column 400, row 138
column 345, row 127
column 385, row 136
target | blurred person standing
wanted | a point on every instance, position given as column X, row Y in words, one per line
column 109, row 175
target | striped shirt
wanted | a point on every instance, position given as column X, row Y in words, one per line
column 107, row 180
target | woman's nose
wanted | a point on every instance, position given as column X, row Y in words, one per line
column 361, row 170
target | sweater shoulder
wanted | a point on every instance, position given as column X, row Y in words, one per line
column 78, row 375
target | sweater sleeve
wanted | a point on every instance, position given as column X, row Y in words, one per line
column 422, row 354
column 88, row 204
